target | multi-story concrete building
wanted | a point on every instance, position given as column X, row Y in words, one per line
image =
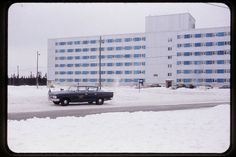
column 170, row 51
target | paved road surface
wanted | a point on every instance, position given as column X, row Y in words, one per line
column 83, row 112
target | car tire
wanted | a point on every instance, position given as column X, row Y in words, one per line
column 56, row 102
column 65, row 102
column 99, row 101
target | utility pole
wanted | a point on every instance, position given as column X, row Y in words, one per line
column 100, row 44
column 17, row 71
column 37, row 81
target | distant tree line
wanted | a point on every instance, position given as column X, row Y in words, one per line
column 29, row 80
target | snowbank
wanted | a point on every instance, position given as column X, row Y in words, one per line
column 189, row 131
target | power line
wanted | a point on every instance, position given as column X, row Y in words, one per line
column 216, row 5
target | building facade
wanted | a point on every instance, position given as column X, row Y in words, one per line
column 170, row 51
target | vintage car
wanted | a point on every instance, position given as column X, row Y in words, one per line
column 88, row 94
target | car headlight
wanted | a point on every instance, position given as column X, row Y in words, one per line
column 54, row 96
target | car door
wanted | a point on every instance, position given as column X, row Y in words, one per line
column 92, row 94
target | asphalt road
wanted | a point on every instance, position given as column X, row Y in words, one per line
column 83, row 112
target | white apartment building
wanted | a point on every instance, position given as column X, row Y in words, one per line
column 170, row 51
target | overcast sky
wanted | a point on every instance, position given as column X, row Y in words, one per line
column 30, row 25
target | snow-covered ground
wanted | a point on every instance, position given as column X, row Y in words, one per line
column 29, row 99
column 188, row 131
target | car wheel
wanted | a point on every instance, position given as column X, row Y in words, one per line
column 65, row 102
column 56, row 102
column 99, row 101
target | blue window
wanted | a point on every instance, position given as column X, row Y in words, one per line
column 137, row 72
column 92, row 41
column 221, row 43
column 178, row 62
column 93, row 80
column 110, row 56
column 77, row 72
column 198, row 36
column 62, row 72
column 119, row 64
column 118, row 72
column 128, row 47
column 137, row 55
column 69, row 72
column 85, row 49
column 93, row 57
column 209, row 80
column 179, row 45
column 128, row 39
column 85, row 42
column 127, row 56
column 128, row 80
column 178, row 80
column 93, row 72
column 197, row 53
column 209, row 71
column 178, row 53
column 77, row 50
column 62, row 80
column 220, row 34
column 110, row 80
column 143, row 63
column 62, row 58
column 220, row 62
column 220, row 80
column 69, row 57
column 143, row 47
column 137, row 39
column 178, row 71
column 61, row 50
column 128, row 72
column 77, row 80
column 70, row 65
column 198, row 44
column 85, row 72
column 187, row 53
column 187, row 45
column 178, row 36
column 110, row 72
column 56, row 43
column 209, row 34
column 85, row 65
column 93, row 49
column 209, row 62
column 103, row 72
column 85, row 57
column 209, row 43
column 119, row 48
column 109, row 64
column 102, row 49
column 103, row 64
column 77, row 65
column 187, row 80
column 137, row 63
column 118, row 56
column 187, row 71
column 62, row 43
column 220, row 71
column 56, row 65
column 208, row 53
column 137, row 47
column 118, row 40
column 197, row 62
column 109, row 48
column 62, row 65
column 85, row 80
column 143, row 55
column 198, row 71
column 69, row 43
column 187, row 36
column 128, row 64
column 109, row 40
column 143, row 38
column 93, row 64
column 77, row 57
column 70, row 50
column 76, row 42
column 187, row 62
column 220, row 52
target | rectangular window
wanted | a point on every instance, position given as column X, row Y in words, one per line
column 220, row 62
column 209, row 71
column 127, row 56
column 110, row 80
column 93, row 57
column 128, row 47
column 186, row 36
column 198, row 35
column 77, row 57
column 187, row 45
column 128, row 72
column 62, row 43
column 118, row 40
column 93, row 80
column 187, row 80
column 128, row 39
column 197, row 62
column 178, row 71
column 62, row 65
column 169, row 48
column 169, row 57
column 209, row 80
column 119, row 48
column 69, row 42
column 93, row 64
column 208, row 53
column 137, row 55
column 220, row 71
column 85, row 49
column 209, row 62
column 70, row 50
column 110, row 56
column 169, row 74
column 109, row 48
column 137, row 39
column 128, row 64
column 85, row 72
column 220, row 34
column 143, row 47
column 109, row 40
column 69, row 57
column 209, row 43
column 70, row 65
column 143, row 39
column 209, row 34
column 118, row 56
column 77, row 65
column 85, row 80
column 137, row 47
column 77, row 50
column 197, row 53
column 220, row 52
column 69, row 72
column 62, row 72
column 62, row 80
column 220, row 80
column 77, row 80
column 118, row 72
column 198, row 44
column 179, row 45
column 85, row 42
column 77, row 72
column 109, row 64
column 93, row 72
column 110, row 72
column 179, row 53
column 187, row 62
column 61, row 50
column 85, row 57
column 221, row 43
column 76, row 42
column 62, row 58
column 93, row 49
column 178, row 62
column 92, row 41
column 119, row 64
column 85, row 65
column 187, row 53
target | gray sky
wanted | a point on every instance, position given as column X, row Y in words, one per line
column 30, row 25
